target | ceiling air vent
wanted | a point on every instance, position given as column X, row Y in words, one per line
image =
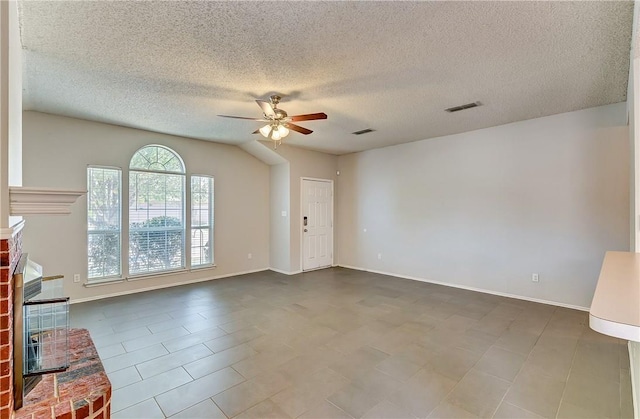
column 463, row 107
column 363, row 131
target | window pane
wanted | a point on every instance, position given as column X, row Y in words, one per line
column 103, row 221
column 158, row 158
column 201, row 220
column 156, row 222
column 104, row 254
column 154, row 250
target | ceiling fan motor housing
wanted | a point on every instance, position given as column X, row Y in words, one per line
column 275, row 99
column 278, row 120
column 280, row 114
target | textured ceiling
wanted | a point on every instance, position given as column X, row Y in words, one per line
column 171, row 67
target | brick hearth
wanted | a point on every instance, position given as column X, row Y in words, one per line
column 82, row 391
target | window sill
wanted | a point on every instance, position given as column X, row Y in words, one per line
column 203, row 268
column 166, row 273
column 155, row 274
column 101, row 282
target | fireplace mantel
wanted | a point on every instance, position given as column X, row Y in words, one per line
column 27, row 200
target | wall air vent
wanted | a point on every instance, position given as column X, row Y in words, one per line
column 463, row 107
column 363, row 131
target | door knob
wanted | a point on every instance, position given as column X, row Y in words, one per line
column 305, row 230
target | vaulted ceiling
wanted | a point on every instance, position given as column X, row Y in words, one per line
column 172, row 66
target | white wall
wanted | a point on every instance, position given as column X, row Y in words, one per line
column 15, row 98
column 486, row 209
column 57, row 151
column 633, row 96
column 10, row 108
column 305, row 163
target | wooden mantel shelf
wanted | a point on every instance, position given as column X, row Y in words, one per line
column 615, row 309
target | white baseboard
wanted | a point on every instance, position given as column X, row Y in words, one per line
column 192, row 281
column 464, row 287
column 634, row 369
column 280, row 271
column 160, row 286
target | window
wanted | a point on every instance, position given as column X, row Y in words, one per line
column 103, row 221
column 201, row 220
column 160, row 240
column 156, row 211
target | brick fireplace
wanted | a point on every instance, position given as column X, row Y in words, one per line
column 10, row 252
column 82, row 391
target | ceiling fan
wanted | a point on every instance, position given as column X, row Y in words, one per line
column 278, row 121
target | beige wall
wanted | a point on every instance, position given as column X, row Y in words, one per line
column 486, row 209
column 633, row 114
column 312, row 164
column 633, row 96
column 634, row 159
column 57, row 151
column 483, row 209
column 280, row 232
column 634, row 365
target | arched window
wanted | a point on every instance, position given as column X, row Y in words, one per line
column 157, row 158
column 159, row 217
column 156, row 211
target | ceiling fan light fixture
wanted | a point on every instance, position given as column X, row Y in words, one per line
column 279, row 123
column 265, row 131
column 283, row 131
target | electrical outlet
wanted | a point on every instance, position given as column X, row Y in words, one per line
column 535, row 278
column 249, row 256
column 76, row 277
column 379, row 255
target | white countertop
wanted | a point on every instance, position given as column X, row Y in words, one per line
column 615, row 309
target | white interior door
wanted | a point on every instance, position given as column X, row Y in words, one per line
column 317, row 224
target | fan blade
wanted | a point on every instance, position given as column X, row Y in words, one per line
column 242, row 117
column 308, row 117
column 298, row 128
column 267, row 109
column 256, row 131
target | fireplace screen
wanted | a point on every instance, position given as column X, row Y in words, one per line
column 41, row 325
column 46, row 336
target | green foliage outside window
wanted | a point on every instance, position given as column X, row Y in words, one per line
column 156, row 244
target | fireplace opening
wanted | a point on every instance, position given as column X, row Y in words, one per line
column 41, row 327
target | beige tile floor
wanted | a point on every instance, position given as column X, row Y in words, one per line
column 338, row 343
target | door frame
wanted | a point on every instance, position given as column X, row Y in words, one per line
column 301, row 234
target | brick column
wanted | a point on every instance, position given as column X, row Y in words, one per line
column 10, row 252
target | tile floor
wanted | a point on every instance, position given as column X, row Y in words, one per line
column 338, row 343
